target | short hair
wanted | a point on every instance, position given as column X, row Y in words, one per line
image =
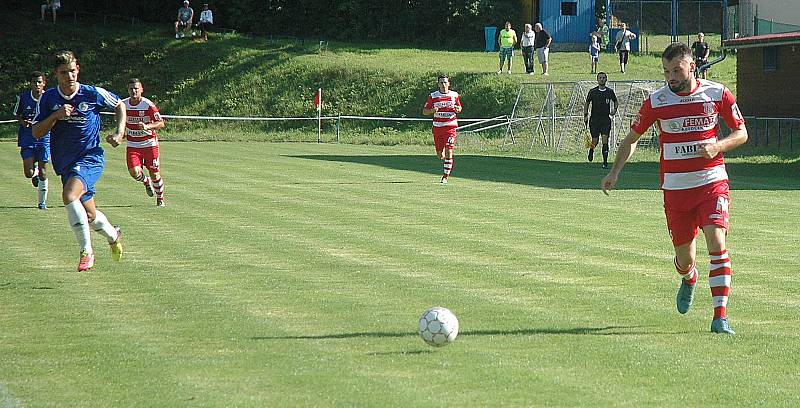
column 602, row 73
column 538, row 25
column 677, row 50
column 134, row 81
column 35, row 74
column 64, row 58
column 443, row 76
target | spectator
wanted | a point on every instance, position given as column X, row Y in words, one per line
column 594, row 53
column 542, row 46
column 507, row 40
column 623, row 45
column 701, row 51
column 602, row 34
column 528, row 37
column 51, row 5
column 185, row 18
column 206, row 21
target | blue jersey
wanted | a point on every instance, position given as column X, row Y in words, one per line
column 75, row 136
column 26, row 109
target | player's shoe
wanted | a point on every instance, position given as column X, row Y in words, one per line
column 35, row 180
column 116, row 246
column 444, row 181
column 86, row 262
column 685, row 296
column 605, row 165
column 160, row 202
column 148, row 188
column 500, row 71
column 42, row 206
column 177, row 36
column 721, row 326
column 590, row 157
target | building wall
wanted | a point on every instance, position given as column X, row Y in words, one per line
column 568, row 29
column 768, row 93
column 782, row 11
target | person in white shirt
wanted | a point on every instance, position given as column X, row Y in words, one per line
column 623, row 45
column 528, row 37
column 206, row 21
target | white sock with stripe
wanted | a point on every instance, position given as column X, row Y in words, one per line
column 79, row 223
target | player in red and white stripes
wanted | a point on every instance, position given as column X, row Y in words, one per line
column 140, row 131
column 444, row 104
column 693, row 176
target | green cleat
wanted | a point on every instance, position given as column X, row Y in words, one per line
column 721, row 326
column 685, row 296
column 116, row 246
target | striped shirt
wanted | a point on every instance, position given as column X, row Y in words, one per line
column 685, row 122
column 144, row 112
column 445, row 117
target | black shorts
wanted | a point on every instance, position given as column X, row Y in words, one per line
column 599, row 126
column 205, row 26
column 623, row 56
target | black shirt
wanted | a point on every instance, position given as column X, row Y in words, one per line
column 700, row 48
column 601, row 102
column 542, row 37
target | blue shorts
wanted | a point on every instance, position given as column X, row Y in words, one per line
column 39, row 152
column 88, row 169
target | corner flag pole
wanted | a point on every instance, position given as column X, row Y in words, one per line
column 318, row 102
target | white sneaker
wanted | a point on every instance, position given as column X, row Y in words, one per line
column 177, row 36
column 531, row 73
column 444, row 181
column 500, row 71
column 509, row 72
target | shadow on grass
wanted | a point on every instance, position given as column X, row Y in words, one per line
column 569, row 175
column 592, row 331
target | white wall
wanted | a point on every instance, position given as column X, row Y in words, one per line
column 781, row 11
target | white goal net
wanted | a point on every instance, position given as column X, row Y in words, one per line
column 550, row 115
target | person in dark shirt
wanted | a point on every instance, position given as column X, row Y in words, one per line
column 542, row 46
column 599, row 122
column 701, row 50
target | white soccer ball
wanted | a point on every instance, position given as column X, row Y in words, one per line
column 438, row 326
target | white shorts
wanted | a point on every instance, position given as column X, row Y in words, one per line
column 542, row 53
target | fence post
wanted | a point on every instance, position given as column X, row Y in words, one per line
column 338, row 127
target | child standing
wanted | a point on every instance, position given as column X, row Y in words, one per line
column 594, row 53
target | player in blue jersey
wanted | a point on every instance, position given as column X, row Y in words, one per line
column 71, row 113
column 35, row 152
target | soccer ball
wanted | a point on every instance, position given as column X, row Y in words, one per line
column 438, row 326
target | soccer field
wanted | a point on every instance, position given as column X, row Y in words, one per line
column 294, row 275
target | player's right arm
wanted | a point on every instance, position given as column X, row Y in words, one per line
column 42, row 126
column 429, row 108
column 624, row 152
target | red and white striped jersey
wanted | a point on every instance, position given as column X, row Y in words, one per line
column 445, row 117
column 685, row 122
column 145, row 112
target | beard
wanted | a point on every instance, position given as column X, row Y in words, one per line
column 682, row 86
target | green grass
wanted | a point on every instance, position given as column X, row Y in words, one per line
column 294, row 274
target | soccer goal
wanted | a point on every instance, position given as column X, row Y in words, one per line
column 550, row 115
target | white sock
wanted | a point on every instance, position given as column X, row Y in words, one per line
column 79, row 222
column 42, row 193
column 101, row 225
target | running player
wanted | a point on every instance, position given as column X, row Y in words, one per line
column 693, row 176
column 35, row 152
column 599, row 122
column 71, row 113
column 143, row 119
column 444, row 104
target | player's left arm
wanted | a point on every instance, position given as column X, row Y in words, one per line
column 735, row 121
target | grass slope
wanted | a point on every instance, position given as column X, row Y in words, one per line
column 293, row 275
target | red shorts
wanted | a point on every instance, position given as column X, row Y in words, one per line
column 688, row 210
column 143, row 157
column 444, row 138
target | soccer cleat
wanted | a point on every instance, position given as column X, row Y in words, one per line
column 444, row 181
column 685, row 296
column 590, row 157
column 86, row 262
column 42, row 206
column 721, row 326
column 159, row 202
column 35, row 180
column 148, row 188
column 116, row 246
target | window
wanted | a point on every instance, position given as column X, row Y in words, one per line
column 569, row 8
column 770, row 58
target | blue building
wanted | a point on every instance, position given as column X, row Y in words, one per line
column 567, row 21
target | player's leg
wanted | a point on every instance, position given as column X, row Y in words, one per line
column 605, row 147
column 151, row 160
column 715, row 211
column 510, row 59
column 42, row 157
column 28, row 165
column 78, row 219
column 502, row 57
column 450, row 144
column 134, row 159
column 90, row 173
column 682, row 227
column 594, row 131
